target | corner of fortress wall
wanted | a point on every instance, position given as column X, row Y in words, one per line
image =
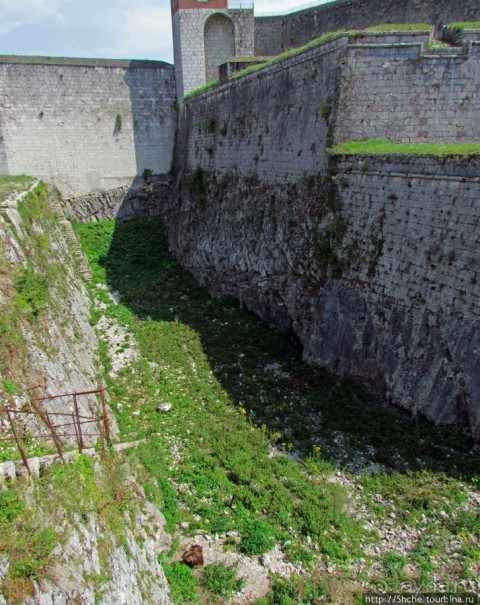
column 198, row 50
column 275, row 34
column 371, row 262
column 59, row 121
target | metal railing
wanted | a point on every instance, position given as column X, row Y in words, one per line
column 245, row 4
column 296, row 9
column 58, row 432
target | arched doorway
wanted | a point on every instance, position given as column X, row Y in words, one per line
column 219, row 40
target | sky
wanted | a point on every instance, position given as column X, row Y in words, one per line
column 111, row 29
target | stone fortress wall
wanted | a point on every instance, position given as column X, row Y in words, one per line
column 275, row 34
column 58, row 121
column 277, row 122
column 371, row 261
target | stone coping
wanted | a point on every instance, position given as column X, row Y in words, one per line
column 84, row 62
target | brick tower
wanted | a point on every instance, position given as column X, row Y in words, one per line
column 205, row 33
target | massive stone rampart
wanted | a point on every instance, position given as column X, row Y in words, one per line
column 278, row 122
column 85, row 124
column 276, row 34
column 370, row 261
column 409, row 92
column 272, row 123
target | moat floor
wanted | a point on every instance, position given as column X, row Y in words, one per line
column 299, row 487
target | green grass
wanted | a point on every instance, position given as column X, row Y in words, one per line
column 385, row 147
column 12, row 185
column 249, row 70
column 292, row 52
column 465, row 24
column 239, row 389
column 200, row 89
column 399, row 27
column 221, row 580
column 438, row 44
column 30, row 532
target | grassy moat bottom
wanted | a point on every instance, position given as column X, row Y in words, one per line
column 256, row 452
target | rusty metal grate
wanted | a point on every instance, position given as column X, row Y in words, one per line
column 59, row 431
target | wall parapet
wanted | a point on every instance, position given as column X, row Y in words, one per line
column 275, row 34
column 83, row 62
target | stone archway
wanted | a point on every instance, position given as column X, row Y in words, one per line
column 219, row 40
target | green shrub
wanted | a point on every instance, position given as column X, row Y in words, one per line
column 37, row 559
column 182, row 583
column 147, row 174
column 118, row 123
column 296, row 590
column 9, row 386
column 257, row 537
column 209, row 125
column 31, row 290
column 170, row 501
column 196, row 183
column 221, row 580
column 325, row 111
column 11, row 506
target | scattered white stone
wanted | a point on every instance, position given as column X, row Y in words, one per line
column 164, row 407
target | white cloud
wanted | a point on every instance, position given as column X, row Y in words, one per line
column 139, row 32
column 16, row 13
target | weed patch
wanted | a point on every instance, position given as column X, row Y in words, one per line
column 11, row 185
column 184, row 586
column 225, row 403
column 221, row 580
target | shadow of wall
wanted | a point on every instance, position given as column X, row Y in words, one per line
column 3, row 154
column 147, row 128
column 86, row 126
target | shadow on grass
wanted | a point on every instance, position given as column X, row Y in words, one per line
column 262, row 371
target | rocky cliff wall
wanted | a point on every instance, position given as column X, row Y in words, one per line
column 102, row 551
column 45, row 335
column 143, row 198
column 86, row 125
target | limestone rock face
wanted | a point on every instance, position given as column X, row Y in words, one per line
column 92, row 569
column 55, row 348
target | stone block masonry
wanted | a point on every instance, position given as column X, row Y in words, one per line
column 371, row 261
column 205, row 37
column 409, row 93
column 277, row 122
column 86, row 125
column 376, row 270
column 275, row 34
column 268, row 123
